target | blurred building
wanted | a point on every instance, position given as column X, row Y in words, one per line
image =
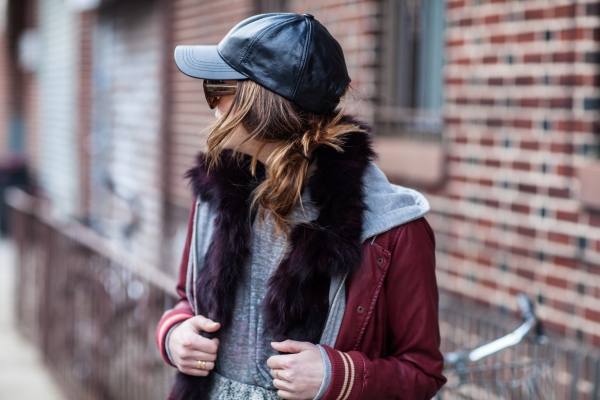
column 490, row 107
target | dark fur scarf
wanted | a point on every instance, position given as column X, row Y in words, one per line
column 296, row 304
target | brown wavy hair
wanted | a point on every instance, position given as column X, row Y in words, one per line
column 269, row 117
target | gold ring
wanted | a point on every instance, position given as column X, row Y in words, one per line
column 201, row 365
column 277, row 374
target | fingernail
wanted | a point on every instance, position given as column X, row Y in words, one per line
column 215, row 323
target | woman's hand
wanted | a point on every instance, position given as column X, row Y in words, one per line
column 298, row 375
column 187, row 347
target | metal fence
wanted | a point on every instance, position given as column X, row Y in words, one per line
column 93, row 309
column 576, row 372
column 90, row 309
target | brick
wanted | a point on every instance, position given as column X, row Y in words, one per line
column 534, row 14
column 532, row 58
column 559, row 238
column 525, row 37
column 562, row 306
column 524, row 231
column 570, row 80
column 455, row 43
column 492, row 203
column 530, row 102
column 572, row 34
column 562, row 102
column 592, row 315
column 491, row 19
column 563, row 193
column 524, row 80
column 494, row 122
column 570, row 125
column 567, row 216
column 557, row 328
column 497, row 81
column 521, row 165
column 465, row 22
column 557, row 282
column 487, row 141
column 497, row 39
column 490, row 59
column 492, row 163
column 567, row 11
column 565, row 148
column 529, row 145
column 565, row 170
column 564, row 57
column 520, row 208
column 453, row 5
column 522, row 123
column 527, row 188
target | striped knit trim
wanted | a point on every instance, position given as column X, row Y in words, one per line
column 346, row 375
column 166, row 323
column 351, row 375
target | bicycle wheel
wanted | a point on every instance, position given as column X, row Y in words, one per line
column 521, row 380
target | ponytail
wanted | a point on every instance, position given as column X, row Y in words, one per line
column 268, row 117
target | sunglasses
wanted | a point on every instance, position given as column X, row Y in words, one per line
column 213, row 90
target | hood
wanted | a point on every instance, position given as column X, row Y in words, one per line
column 388, row 205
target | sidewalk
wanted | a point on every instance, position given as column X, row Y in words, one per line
column 23, row 375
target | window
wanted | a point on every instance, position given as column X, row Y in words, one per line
column 410, row 90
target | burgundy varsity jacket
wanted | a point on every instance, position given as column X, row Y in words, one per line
column 388, row 343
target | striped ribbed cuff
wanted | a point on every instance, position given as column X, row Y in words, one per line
column 347, row 375
column 168, row 320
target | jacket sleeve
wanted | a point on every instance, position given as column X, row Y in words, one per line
column 182, row 310
column 413, row 368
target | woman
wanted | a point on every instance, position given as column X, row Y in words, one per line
column 305, row 274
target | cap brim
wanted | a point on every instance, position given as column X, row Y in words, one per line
column 204, row 62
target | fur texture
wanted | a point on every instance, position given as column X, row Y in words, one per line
column 297, row 300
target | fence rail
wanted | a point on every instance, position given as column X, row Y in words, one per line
column 576, row 367
column 91, row 309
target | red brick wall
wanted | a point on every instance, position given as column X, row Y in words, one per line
column 194, row 22
column 521, row 101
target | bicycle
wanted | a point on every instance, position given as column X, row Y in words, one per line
column 473, row 376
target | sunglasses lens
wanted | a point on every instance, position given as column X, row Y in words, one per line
column 213, row 93
column 213, row 101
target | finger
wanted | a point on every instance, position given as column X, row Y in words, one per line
column 283, row 385
column 193, row 341
column 194, row 371
column 278, row 374
column 291, row 346
column 204, row 324
column 285, row 394
column 197, row 355
column 193, row 364
column 277, row 362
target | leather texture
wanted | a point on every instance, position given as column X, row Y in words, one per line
column 292, row 55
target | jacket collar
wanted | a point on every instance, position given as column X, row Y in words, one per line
column 296, row 303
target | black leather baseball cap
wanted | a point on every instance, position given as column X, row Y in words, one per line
column 292, row 55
